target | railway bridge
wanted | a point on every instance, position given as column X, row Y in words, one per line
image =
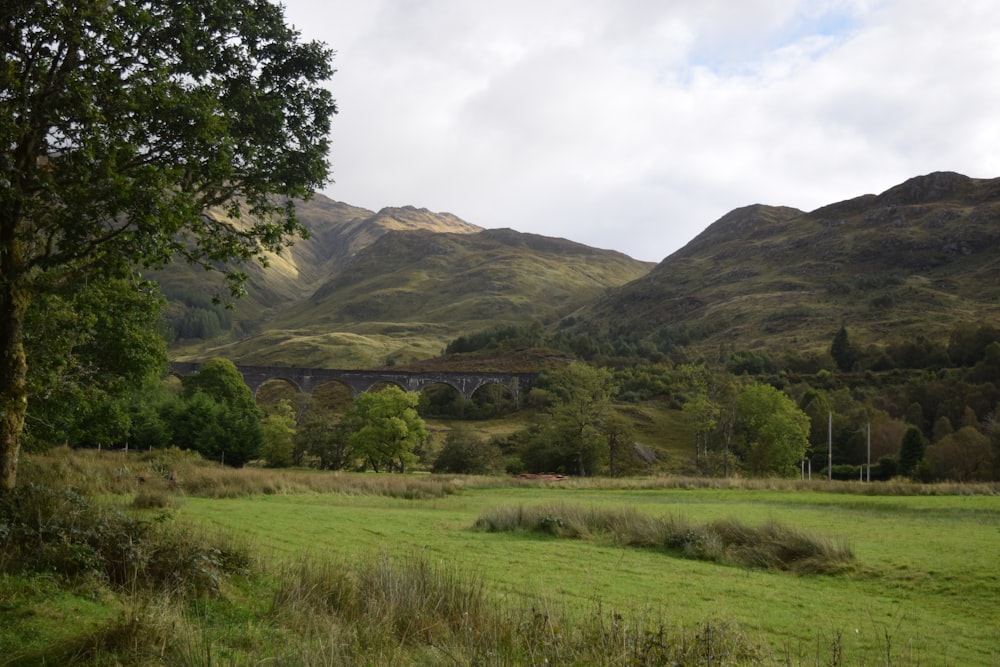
column 358, row 381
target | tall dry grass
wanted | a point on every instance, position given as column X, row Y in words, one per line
column 175, row 472
column 900, row 487
column 414, row 611
column 770, row 546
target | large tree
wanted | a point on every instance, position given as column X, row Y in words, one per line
column 774, row 429
column 386, row 428
column 572, row 435
column 133, row 132
column 217, row 416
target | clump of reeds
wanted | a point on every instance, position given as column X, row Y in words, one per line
column 770, row 546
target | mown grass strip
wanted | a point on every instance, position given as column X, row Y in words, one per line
column 771, row 546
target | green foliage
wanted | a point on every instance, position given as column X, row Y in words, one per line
column 466, row 453
column 640, row 382
column 213, row 429
column 325, row 439
column 217, row 416
column 988, row 368
column 775, row 432
column 500, row 337
column 572, row 436
column 816, row 405
column 278, row 435
column 441, row 401
column 843, row 352
column 912, row 451
column 963, row 456
column 918, row 352
column 220, row 379
column 64, row 533
column 89, row 347
column 199, row 323
column 968, row 343
column 489, row 401
column 745, row 362
column 138, row 132
column 386, row 428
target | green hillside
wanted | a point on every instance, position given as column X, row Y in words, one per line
column 393, row 287
column 914, row 261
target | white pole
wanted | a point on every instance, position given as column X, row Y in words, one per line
column 829, row 446
column 869, row 452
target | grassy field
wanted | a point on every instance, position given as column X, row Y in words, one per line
column 390, row 569
column 924, row 588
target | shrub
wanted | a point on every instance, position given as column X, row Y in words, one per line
column 61, row 532
column 464, row 452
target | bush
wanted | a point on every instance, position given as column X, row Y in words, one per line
column 466, row 453
column 60, row 532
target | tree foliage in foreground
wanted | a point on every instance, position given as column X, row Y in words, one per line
column 136, row 132
column 90, row 347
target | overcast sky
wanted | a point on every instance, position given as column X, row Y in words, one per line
column 634, row 124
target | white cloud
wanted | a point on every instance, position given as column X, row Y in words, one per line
column 634, row 125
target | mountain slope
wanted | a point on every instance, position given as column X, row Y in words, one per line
column 398, row 285
column 337, row 233
column 913, row 261
column 458, row 280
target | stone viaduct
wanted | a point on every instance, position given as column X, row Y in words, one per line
column 307, row 379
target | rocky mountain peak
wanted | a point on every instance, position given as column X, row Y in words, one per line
column 929, row 188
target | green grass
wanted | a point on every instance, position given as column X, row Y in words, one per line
column 341, row 561
column 35, row 613
column 925, row 574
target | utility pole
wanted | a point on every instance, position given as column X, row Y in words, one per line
column 829, row 446
column 869, row 477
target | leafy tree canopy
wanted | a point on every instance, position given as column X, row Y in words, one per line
column 89, row 347
column 775, row 431
column 220, row 379
column 387, row 428
column 135, row 132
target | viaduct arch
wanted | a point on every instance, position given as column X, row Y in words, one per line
column 307, row 379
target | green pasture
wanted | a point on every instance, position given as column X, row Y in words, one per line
column 925, row 587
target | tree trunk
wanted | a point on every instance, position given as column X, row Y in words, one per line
column 13, row 367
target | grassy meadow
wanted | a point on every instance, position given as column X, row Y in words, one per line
column 921, row 585
column 925, row 585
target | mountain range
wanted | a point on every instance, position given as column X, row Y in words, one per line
column 368, row 289
column 395, row 286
